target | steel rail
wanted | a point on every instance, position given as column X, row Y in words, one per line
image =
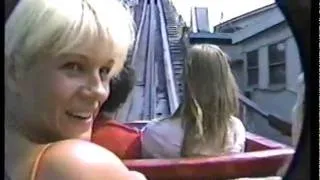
column 171, row 89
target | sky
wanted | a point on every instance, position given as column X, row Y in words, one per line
column 230, row 8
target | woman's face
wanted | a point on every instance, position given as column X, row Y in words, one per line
column 61, row 96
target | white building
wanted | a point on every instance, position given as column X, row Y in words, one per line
column 265, row 61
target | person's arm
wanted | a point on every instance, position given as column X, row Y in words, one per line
column 80, row 160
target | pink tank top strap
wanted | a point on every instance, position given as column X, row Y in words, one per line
column 37, row 162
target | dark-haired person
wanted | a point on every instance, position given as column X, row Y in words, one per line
column 122, row 140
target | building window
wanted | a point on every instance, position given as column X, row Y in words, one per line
column 252, row 67
column 277, row 64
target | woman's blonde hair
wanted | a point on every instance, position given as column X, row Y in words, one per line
column 45, row 28
column 211, row 96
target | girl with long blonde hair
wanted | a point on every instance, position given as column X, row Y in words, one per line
column 204, row 124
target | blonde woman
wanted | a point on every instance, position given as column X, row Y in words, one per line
column 205, row 124
column 59, row 58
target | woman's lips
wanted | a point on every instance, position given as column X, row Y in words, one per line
column 79, row 115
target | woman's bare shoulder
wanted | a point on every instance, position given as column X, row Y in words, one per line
column 77, row 159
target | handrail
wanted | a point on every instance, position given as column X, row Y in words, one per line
column 171, row 88
column 134, row 54
column 274, row 120
column 252, row 105
column 281, row 125
column 150, row 91
column 123, row 113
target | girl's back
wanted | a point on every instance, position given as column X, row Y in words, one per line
column 205, row 125
column 163, row 139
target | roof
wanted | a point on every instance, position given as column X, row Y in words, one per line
column 231, row 38
column 215, row 38
column 248, row 14
column 240, row 35
column 258, row 28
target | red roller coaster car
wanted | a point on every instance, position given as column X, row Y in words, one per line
column 262, row 157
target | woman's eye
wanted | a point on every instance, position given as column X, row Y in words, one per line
column 104, row 72
column 73, row 67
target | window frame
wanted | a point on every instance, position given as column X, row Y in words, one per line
column 250, row 68
column 272, row 65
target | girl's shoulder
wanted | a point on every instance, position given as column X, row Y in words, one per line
column 162, row 138
column 237, row 124
column 238, row 134
column 159, row 124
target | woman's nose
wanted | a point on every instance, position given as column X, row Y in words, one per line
column 97, row 89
